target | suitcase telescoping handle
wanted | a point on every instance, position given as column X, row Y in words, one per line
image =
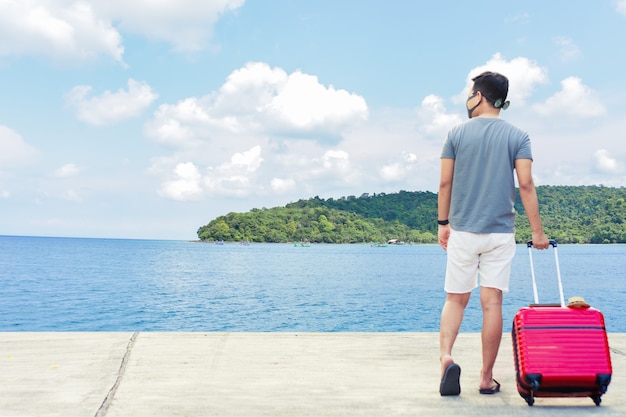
column 558, row 271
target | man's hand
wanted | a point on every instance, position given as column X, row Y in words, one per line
column 540, row 241
column 444, row 235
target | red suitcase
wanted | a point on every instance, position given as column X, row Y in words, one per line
column 560, row 351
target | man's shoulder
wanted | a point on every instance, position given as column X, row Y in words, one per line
column 461, row 126
column 479, row 123
column 508, row 125
column 511, row 125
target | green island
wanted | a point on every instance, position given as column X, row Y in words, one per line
column 570, row 214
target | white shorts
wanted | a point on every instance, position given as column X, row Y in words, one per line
column 471, row 254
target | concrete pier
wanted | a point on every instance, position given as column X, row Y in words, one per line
column 265, row 374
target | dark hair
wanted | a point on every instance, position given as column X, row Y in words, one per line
column 492, row 85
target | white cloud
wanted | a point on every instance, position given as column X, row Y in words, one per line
column 246, row 173
column 392, row 172
column 249, row 160
column 523, row 75
column 334, row 168
column 334, row 161
column 110, row 108
column 621, row 6
column 177, row 124
column 237, row 177
column 67, row 170
column 282, row 185
column 574, row 99
column 257, row 99
column 336, row 158
column 303, row 103
column 14, row 150
column 80, row 30
column 606, row 163
column 186, row 184
column 433, row 117
column 569, row 51
column 399, row 170
column 234, row 178
column 57, row 29
column 222, row 184
column 185, row 24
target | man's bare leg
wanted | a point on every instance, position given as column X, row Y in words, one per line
column 451, row 318
column 491, row 335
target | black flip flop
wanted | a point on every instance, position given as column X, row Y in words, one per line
column 450, row 383
column 492, row 390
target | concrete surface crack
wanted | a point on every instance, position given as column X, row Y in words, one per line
column 618, row 352
column 218, row 352
column 104, row 407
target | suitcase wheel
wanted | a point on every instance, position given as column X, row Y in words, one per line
column 530, row 399
column 596, row 399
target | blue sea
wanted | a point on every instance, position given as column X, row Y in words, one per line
column 74, row 284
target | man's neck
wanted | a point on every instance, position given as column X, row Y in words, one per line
column 491, row 113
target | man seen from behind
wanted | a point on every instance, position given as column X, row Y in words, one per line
column 477, row 221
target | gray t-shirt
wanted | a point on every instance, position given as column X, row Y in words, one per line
column 483, row 187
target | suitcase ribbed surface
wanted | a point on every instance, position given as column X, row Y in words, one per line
column 568, row 347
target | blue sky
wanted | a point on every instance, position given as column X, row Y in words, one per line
column 143, row 119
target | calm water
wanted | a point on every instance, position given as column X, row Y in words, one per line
column 65, row 284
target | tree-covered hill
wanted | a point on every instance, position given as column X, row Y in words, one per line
column 583, row 214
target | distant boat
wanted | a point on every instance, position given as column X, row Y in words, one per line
column 302, row 244
column 378, row 245
column 244, row 243
column 395, row 242
column 219, row 242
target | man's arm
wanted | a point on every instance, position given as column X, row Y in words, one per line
column 528, row 194
column 444, row 198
